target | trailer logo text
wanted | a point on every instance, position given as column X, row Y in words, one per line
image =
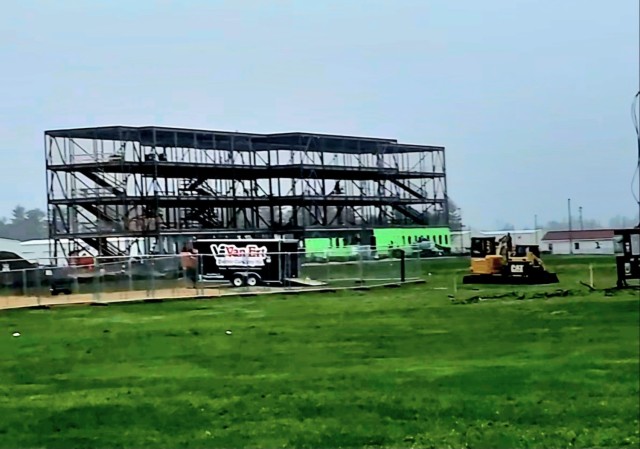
column 232, row 256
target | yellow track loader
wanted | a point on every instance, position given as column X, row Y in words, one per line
column 496, row 262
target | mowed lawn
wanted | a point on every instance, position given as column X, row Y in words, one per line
column 392, row 367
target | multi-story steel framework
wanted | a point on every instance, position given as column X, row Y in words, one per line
column 151, row 182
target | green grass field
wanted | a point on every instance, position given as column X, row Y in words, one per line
column 392, row 367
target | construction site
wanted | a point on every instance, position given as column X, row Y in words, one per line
column 130, row 207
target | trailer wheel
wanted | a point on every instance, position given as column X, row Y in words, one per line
column 252, row 281
column 237, row 281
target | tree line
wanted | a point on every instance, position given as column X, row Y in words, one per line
column 617, row 222
column 31, row 224
column 24, row 224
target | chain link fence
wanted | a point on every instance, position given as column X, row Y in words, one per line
column 155, row 277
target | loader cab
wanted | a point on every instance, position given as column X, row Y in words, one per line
column 484, row 257
column 483, row 246
column 523, row 250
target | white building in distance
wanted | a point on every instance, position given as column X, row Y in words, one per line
column 593, row 241
column 10, row 246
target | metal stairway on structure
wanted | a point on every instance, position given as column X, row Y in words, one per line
column 408, row 211
column 104, row 247
column 197, row 217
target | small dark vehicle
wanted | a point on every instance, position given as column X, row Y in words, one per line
column 59, row 279
column 17, row 273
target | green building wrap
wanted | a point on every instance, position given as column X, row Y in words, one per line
column 384, row 241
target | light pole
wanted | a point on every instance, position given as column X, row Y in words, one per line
column 570, row 229
column 580, row 212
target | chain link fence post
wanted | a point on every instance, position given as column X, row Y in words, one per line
column 152, row 276
column 97, row 274
column 129, row 278
column 39, row 284
column 360, row 262
column 23, row 276
column 199, row 280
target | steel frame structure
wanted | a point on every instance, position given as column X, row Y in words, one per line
column 154, row 182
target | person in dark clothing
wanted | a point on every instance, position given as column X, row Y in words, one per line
column 509, row 243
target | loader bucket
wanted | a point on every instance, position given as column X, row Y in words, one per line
column 483, row 279
column 545, row 278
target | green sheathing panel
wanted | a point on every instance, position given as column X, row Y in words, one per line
column 315, row 246
column 402, row 237
column 385, row 239
column 328, row 247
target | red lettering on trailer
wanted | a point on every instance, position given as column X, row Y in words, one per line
column 250, row 255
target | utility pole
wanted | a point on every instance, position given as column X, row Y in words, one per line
column 638, row 133
column 580, row 212
column 570, row 229
column 535, row 227
column 638, row 174
column 636, row 124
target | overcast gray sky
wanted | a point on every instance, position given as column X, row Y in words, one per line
column 531, row 98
